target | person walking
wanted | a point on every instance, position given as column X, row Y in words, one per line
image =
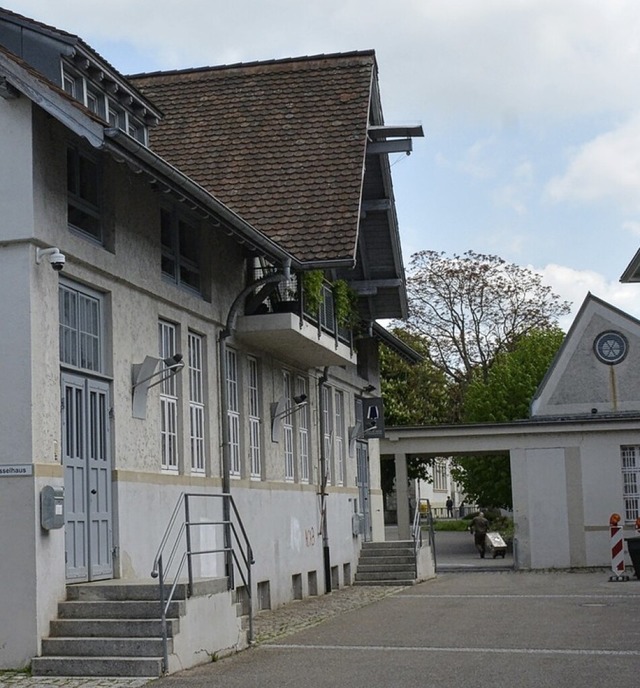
column 449, row 505
column 479, row 527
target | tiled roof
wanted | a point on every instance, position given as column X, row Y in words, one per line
column 282, row 143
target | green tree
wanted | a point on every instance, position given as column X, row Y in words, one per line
column 504, row 394
column 413, row 394
column 473, row 307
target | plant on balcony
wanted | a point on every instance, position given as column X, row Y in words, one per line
column 345, row 302
column 312, row 283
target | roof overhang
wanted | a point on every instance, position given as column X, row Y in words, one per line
column 16, row 79
column 395, row 344
column 632, row 272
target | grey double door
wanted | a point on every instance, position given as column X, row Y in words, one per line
column 87, row 478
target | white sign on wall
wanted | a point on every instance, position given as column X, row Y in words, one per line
column 16, row 470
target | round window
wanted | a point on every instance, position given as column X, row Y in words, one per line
column 610, row 347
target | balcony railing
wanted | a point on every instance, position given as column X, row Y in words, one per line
column 289, row 297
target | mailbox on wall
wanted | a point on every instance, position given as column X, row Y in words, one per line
column 52, row 507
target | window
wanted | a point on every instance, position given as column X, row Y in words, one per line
column 303, row 431
column 168, row 400
column 339, row 431
column 96, row 101
column 287, row 428
column 80, row 328
column 83, row 193
column 93, row 97
column 233, row 412
column 328, row 432
column 631, row 482
column 254, row 420
column 440, row 475
column 196, row 402
column 180, row 250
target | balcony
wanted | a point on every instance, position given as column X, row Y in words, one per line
column 283, row 327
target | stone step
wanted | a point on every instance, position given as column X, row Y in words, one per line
column 112, row 628
column 404, row 566
column 142, row 667
column 115, row 590
column 386, row 552
column 388, row 544
column 385, row 575
column 385, row 559
column 103, row 647
column 135, row 609
column 125, row 592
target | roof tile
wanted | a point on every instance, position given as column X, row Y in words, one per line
column 282, row 143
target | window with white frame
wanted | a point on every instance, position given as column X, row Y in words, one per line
column 233, row 412
column 196, row 402
column 327, row 417
column 83, row 193
column 440, row 475
column 181, row 249
column 255, row 449
column 303, row 430
column 167, row 336
column 287, row 428
column 89, row 93
column 80, row 328
column 630, row 456
column 339, row 435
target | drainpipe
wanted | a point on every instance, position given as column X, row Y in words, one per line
column 224, row 405
column 322, row 380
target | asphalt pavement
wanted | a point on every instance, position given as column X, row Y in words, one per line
column 477, row 624
column 470, row 629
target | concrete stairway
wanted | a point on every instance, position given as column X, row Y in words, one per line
column 108, row 630
column 386, row 563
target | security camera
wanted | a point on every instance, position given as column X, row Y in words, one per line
column 54, row 256
column 57, row 261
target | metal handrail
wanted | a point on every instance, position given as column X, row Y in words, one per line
column 416, row 536
column 237, row 551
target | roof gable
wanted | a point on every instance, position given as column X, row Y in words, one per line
column 282, row 143
column 597, row 369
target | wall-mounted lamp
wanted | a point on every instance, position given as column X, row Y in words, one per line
column 371, row 427
column 280, row 409
column 368, row 389
column 55, row 257
column 143, row 377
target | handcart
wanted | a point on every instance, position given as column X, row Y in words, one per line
column 496, row 546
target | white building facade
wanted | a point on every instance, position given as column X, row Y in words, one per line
column 156, row 363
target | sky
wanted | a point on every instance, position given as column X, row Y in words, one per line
column 530, row 108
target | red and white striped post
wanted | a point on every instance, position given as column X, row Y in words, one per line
column 617, row 549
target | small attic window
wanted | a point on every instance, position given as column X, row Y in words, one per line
column 610, row 347
column 93, row 96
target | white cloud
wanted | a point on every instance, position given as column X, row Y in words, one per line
column 495, row 59
column 606, row 168
column 515, row 194
column 574, row 285
column 632, row 226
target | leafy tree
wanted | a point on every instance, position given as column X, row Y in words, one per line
column 473, row 307
column 413, row 394
column 504, row 395
column 514, row 376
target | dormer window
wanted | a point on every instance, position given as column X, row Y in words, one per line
column 92, row 95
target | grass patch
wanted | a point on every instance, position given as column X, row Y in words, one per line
column 451, row 524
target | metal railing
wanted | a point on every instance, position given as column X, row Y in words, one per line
column 289, row 296
column 423, row 516
column 176, row 551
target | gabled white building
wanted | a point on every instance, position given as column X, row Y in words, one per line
column 159, row 342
